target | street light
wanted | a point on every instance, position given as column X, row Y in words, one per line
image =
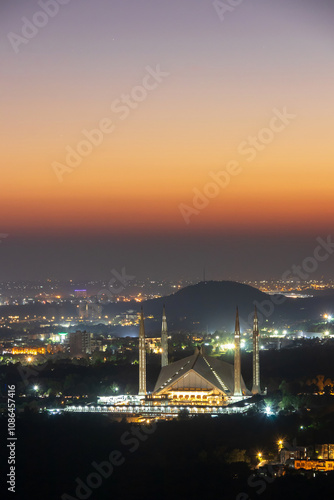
column 268, row 411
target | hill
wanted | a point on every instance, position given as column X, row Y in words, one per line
column 211, row 305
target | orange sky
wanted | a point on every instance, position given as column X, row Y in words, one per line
column 221, row 90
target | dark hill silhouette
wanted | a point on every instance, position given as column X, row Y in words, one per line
column 211, row 305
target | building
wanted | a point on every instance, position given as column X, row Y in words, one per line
column 98, row 345
column 80, row 343
column 200, row 383
column 153, row 344
column 316, row 465
column 89, row 311
column 197, row 379
column 31, row 351
column 325, row 451
column 294, row 453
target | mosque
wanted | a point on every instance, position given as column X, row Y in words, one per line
column 198, row 379
column 200, row 383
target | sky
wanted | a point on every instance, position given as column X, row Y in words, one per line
column 164, row 137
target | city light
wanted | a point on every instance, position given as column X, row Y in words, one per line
column 36, row 387
column 227, row 346
column 268, row 411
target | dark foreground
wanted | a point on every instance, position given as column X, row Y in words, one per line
column 88, row 456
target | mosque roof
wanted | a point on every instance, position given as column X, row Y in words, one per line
column 200, row 369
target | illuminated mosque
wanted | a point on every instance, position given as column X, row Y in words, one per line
column 200, row 384
column 199, row 379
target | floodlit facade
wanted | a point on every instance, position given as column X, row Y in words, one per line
column 318, row 465
column 200, row 384
column 197, row 379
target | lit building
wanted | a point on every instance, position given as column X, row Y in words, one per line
column 197, row 379
column 202, row 379
column 153, row 344
column 325, row 451
column 32, row 351
column 316, row 465
column 200, row 383
column 90, row 311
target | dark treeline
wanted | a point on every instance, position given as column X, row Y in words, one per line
column 74, row 379
column 183, row 459
column 296, row 366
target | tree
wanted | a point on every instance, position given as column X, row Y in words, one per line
column 236, row 455
column 320, row 382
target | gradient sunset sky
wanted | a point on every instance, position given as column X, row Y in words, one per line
column 121, row 205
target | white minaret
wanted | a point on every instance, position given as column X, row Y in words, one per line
column 142, row 356
column 256, row 356
column 164, row 339
column 237, row 360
